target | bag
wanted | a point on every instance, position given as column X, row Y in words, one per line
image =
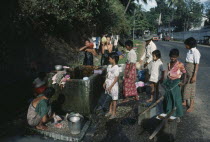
column 104, row 102
column 141, row 75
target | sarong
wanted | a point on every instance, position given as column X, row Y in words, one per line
column 33, row 118
column 129, row 87
column 172, row 97
column 189, row 88
column 105, row 58
column 35, row 115
column 88, row 60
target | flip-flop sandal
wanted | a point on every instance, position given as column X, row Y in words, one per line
column 112, row 117
column 108, row 114
column 125, row 101
column 38, row 128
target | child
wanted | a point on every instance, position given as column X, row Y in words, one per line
column 129, row 87
column 172, row 96
column 39, row 83
column 111, row 84
column 192, row 63
column 156, row 72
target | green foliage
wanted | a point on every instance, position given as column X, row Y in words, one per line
column 182, row 14
column 89, row 17
column 188, row 14
column 207, row 12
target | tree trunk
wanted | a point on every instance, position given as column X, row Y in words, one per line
column 127, row 6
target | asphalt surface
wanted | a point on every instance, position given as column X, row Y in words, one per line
column 195, row 126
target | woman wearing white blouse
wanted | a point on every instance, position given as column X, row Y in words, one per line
column 129, row 87
column 192, row 63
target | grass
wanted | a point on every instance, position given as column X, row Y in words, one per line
column 139, row 51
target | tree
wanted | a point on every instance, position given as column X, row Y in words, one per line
column 188, row 14
column 182, row 14
column 95, row 17
column 130, row 4
column 207, row 12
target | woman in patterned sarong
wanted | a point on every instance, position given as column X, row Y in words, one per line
column 129, row 87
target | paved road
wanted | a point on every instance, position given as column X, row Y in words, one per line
column 195, row 126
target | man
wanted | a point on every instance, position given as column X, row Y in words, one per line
column 149, row 48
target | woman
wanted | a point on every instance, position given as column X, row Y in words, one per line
column 106, row 49
column 89, row 51
column 39, row 111
column 192, row 63
column 129, row 87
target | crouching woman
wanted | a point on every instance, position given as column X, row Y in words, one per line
column 39, row 111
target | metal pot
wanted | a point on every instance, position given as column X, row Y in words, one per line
column 58, row 67
column 75, row 123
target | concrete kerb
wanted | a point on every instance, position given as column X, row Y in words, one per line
column 183, row 43
column 60, row 136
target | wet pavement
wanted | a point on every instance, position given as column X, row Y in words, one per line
column 194, row 127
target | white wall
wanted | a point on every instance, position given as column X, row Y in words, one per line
column 196, row 34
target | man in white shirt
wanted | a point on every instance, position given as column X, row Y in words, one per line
column 192, row 64
column 149, row 48
column 193, row 56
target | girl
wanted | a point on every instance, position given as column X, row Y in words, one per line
column 156, row 72
column 111, row 84
column 172, row 96
column 192, row 63
column 129, row 87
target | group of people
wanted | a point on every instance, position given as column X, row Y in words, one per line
column 177, row 75
column 105, row 48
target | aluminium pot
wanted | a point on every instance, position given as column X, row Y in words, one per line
column 75, row 123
